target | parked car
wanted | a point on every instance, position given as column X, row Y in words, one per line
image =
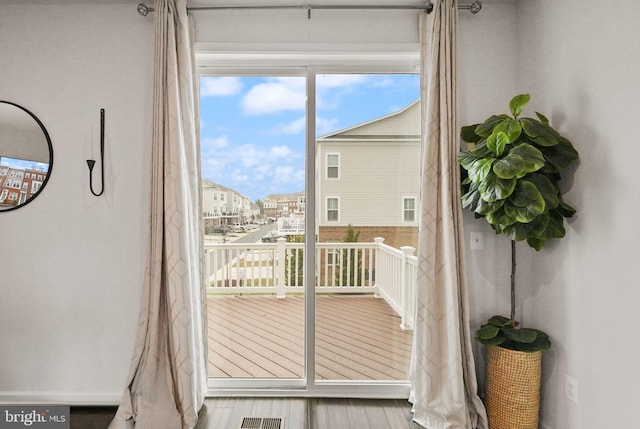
column 218, row 230
column 272, row 237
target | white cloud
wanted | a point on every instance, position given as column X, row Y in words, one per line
column 283, row 174
column 332, row 87
column 215, row 143
column 326, row 125
column 280, row 152
column 294, row 127
column 219, row 86
column 276, row 95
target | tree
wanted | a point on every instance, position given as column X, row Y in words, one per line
column 351, row 261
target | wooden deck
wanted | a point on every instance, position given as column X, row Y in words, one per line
column 357, row 338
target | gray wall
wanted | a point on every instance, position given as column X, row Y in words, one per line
column 72, row 264
column 580, row 61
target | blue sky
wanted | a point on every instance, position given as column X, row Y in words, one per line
column 253, row 128
column 23, row 164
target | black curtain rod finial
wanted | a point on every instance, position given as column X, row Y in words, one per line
column 143, row 9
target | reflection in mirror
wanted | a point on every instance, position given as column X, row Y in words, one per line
column 26, row 156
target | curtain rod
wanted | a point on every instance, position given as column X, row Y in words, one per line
column 474, row 7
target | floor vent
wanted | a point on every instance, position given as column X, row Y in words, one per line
column 262, row 423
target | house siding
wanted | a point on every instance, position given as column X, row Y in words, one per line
column 379, row 167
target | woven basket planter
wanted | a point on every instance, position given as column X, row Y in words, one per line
column 513, row 388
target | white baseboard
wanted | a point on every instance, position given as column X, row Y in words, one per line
column 60, row 398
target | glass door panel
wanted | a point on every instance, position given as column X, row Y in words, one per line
column 367, row 193
column 253, row 134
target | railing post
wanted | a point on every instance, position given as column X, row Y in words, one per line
column 280, row 266
column 378, row 242
column 207, row 268
column 405, row 282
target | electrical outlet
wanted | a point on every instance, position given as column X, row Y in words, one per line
column 571, row 388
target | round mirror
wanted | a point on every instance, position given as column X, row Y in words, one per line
column 26, row 156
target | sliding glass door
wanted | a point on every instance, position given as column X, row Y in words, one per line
column 310, row 195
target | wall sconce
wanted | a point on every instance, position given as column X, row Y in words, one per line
column 91, row 163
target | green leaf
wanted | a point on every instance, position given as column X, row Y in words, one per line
column 497, row 142
column 499, row 220
column 536, row 243
column 494, row 188
column 532, row 157
column 468, row 134
column 527, row 195
column 535, row 229
column 487, row 332
column 541, row 343
column 560, row 156
column 466, row 159
column 479, row 170
column 542, row 118
column 470, row 200
column 523, row 335
column 555, row 229
column 547, row 189
column 511, row 128
column 540, row 132
column 496, row 341
column 500, row 321
column 565, row 209
column 484, row 208
column 486, row 128
column 524, row 215
column 517, row 103
column 509, row 167
column 481, row 150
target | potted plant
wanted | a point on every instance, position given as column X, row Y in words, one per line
column 510, row 177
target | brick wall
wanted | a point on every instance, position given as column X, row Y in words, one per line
column 395, row 236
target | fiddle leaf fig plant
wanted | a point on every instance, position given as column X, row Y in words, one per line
column 510, row 177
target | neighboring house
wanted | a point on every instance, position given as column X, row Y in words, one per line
column 19, row 185
column 255, row 212
column 224, row 206
column 368, row 176
column 283, row 205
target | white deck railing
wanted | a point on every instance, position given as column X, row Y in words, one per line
column 277, row 268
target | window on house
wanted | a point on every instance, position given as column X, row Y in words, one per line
column 333, row 166
column 332, row 209
column 409, row 209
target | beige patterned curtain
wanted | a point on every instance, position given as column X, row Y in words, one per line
column 167, row 380
column 443, row 378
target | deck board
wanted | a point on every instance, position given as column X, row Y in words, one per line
column 357, row 338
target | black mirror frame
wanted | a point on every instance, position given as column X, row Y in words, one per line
column 50, row 145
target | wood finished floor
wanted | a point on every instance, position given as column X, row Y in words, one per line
column 357, row 338
column 301, row 413
column 298, row 413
